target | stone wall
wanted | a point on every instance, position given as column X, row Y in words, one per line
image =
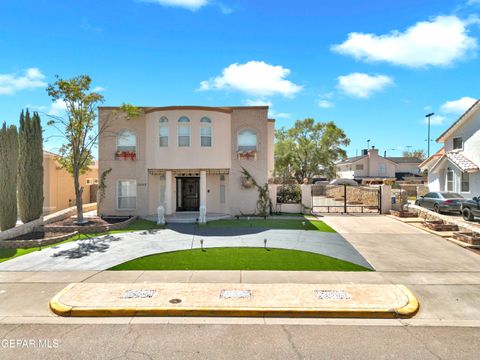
column 89, row 229
column 355, row 195
column 431, row 215
column 31, row 226
column 26, row 244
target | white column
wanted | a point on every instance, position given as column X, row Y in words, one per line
column 203, row 188
column 168, row 193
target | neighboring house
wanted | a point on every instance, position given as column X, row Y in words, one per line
column 184, row 157
column 58, row 189
column 370, row 165
column 456, row 168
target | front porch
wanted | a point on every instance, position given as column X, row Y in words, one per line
column 189, row 217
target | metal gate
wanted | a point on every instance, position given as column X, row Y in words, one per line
column 345, row 199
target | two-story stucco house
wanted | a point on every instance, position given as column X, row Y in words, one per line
column 456, row 166
column 370, row 165
column 183, row 158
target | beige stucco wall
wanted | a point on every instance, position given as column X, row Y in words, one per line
column 173, row 156
column 122, row 169
column 58, row 189
column 226, row 123
column 244, row 200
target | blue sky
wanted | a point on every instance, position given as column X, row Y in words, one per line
column 373, row 67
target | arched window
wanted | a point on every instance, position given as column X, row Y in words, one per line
column 184, row 132
column 205, row 132
column 246, row 141
column 163, row 132
column 127, row 141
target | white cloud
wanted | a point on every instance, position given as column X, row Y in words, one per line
column 187, row 4
column 58, row 108
column 458, row 106
column 257, row 102
column 363, row 85
column 271, row 112
column 98, row 89
column 254, row 78
column 473, row 2
column 225, row 9
column 31, row 79
column 438, row 42
column 435, row 120
column 325, row 104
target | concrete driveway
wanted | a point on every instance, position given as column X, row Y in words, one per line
column 106, row 251
column 390, row 245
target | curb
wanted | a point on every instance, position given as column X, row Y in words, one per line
column 406, row 311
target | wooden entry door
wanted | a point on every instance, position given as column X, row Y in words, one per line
column 188, row 194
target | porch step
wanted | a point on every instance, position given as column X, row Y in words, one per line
column 189, row 218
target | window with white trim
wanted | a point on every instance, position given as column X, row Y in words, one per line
column 127, row 141
column 465, row 182
column 163, row 132
column 184, row 132
column 450, row 181
column 247, row 140
column 457, row 143
column 205, row 132
column 127, row 194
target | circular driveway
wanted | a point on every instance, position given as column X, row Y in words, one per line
column 103, row 252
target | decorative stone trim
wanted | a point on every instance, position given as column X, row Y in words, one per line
column 26, row 244
column 89, row 229
column 467, row 237
column 431, row 215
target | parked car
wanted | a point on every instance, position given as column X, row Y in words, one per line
column 349, row 182
column 441, row 201
column 471, row 208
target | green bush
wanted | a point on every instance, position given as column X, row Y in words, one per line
column 8, row 176
column 30, row 167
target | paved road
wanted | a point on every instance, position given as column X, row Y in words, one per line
column 158, row 341
column 104, row 252
column 444, row 277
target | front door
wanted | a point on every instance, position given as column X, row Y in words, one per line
column 188, row 194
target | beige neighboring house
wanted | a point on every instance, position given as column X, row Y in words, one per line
column 58, row 189
column 370, row 165
column 184, row 157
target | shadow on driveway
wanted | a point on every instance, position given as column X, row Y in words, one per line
column 87, row 247
column 194, row 229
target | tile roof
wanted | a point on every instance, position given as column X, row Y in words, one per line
column 438, row 154
column 461, row 161
column 405, row 160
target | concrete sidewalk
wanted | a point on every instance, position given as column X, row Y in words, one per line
column 107, row 251
column 446, row 298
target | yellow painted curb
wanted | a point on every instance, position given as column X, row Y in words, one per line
column 57, row 306
column 412, row 306
column 406, row 311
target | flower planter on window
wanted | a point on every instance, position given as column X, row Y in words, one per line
column 126, row 155
column 247, row 155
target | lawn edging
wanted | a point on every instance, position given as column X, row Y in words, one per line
column 27, row 244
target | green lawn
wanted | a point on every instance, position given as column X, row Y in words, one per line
column 239, row 259
column 272, row 224
column 7, row 254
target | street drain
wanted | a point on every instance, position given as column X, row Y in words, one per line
column 175, row 301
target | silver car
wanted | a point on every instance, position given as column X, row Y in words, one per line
column 439, row 201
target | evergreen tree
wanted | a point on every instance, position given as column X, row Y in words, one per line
column 8, row 176
column 30, row 167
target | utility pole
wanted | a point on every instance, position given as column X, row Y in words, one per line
column 428, row 116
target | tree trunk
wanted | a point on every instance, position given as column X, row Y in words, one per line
column 78, row 197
